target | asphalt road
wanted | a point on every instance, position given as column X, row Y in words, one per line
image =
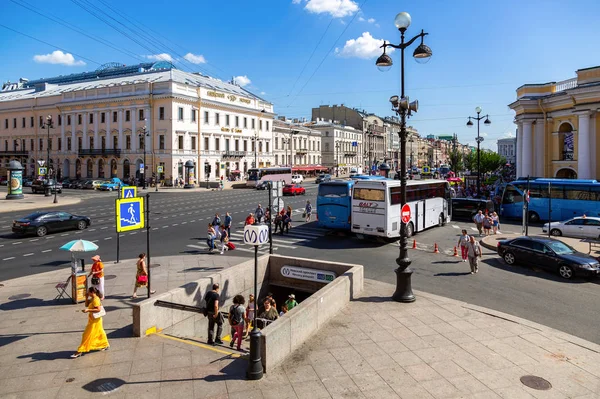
column 178, row 226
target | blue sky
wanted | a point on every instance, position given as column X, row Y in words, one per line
column 482, row 50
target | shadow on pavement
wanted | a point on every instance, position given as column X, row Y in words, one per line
column 54, row 263
column 36, row 357
column 9, row 339
column 123, row 332
column 452, row 274
column 200, row 269
column 32, row 302
column 531, row 271
column 444, row 262
column 374, row 299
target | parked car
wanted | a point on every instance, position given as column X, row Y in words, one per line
column 581, row 227
column 468, row 207
column 296, row 179
column 3, row 181
column 263, row 185
column 93, row 184
column 42, row 223
column 39, row 186
column 293, row 189
column 549, row 254
column 323, row 177
column 113, row 183
column 28, row 182
column 78, row 184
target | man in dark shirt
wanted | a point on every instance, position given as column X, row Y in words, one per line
column 270, row 311
column 213, row 315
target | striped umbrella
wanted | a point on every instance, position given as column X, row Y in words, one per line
column 79, row 246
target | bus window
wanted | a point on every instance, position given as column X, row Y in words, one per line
column 253, row 174
column 557, row 192
column 367, row 194
column 396, row 195
column 337, row 190
column 577, row 193
column 511, row 195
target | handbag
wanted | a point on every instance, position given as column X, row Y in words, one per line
column 99, row 314
column 142, row 279
column 95, row 280
column 304, row 215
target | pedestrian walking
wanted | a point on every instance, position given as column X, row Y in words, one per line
column 141, row 275
column 259, row 213
column 250, row 313
column 495, row 223
column 224, row 239
column 478, row 219
column 291, row 302
column 228, row 221
column 249, row 220
column 94, row 337
column 211, row 235
column 487, row 224
column 214, row 315
column 307, row 211
column 236, row 320
column 216, row 222
column 221, row 184
column 97, row 274
column 463, row 242
column 474, row 253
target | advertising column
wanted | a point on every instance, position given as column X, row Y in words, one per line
column 15, row 181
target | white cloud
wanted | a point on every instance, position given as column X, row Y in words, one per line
column 262, row 93
column 509, row 134
column 195, row 59
column 58, row 57
column 242, row 80
column 483, row 134
column 361, row 19
column 377, row 25
column 365, row 47
column 160, row 57
column 336, row 8
column 371, row 20
column 296, row 1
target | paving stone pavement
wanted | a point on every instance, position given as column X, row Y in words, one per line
column 375, row 348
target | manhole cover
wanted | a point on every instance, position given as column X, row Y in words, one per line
column 110, row 276
column 155, row 265
column 535, row 382
column 70, row 379
column 19, row 296
column 104, row 385
column 23, row 322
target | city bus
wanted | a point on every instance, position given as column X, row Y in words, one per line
column 568, row 198
column 376, row 206
column 256, row 175
column 334, row 202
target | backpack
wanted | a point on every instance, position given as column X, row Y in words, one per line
column 236, row 318
column 216, row 221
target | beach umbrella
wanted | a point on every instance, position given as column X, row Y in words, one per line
column 79, row 246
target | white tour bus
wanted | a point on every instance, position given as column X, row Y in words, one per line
column 256, row 175
column 376, row 206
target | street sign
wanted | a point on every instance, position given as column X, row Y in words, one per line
column 277, row 189
column 278, row 204
column 130, row 214
column 159, row 169
column 142, row 168
column 42, row 171
column 405, row 213
column 128, row 192
column 527, row 196
column 41, row 163
column 304, row 273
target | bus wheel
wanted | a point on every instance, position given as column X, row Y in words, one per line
column 534, row 217
column 410, row 229
column 441, row 220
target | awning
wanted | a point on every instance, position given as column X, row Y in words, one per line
column 235, row 171
column 313, row 168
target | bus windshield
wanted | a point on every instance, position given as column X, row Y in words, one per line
column 333, row 190
column 369, row 194
column 253, row 174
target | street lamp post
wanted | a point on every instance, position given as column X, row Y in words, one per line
column 479, row 140
column 403, row 107
column 142, row 135
column 411, row 141
column 337, row 154
column 49, row 125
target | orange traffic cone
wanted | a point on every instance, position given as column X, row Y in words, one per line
column 414, row 244
column 455, row 252
column 435, row 249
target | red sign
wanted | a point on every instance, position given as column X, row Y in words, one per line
column 527, row 196
column 405, row 213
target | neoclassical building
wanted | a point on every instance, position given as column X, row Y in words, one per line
column 104, row 121
column 341, row 146
column 558, row 127
column 296, row 144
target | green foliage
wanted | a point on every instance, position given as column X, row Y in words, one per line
column 456, row 161
column 490, row 161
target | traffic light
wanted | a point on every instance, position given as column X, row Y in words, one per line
column 207, row 168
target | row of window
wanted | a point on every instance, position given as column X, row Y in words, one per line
column 236, row 121
column 297, row 144
column 237, row 145
column 79, row 117
column 285, row 160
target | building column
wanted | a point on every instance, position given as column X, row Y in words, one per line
column 593, row 143
column 539, row 148
column 109, row 143
column 62, row 134
column 121, row 142
column 583, row 147
column 74, row 147
column 134, row 137
column 96, row 139
column 518, row 149
column 527, row 153
column 85, row 143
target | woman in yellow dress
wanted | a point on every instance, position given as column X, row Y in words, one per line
column 94, row 337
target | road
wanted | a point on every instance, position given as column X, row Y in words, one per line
column 178, row 225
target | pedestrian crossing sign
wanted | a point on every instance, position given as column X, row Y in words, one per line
column 128, row 192
column 42, row 171
column 130, row 214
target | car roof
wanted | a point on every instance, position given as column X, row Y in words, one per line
column 586, row 217
column 538, row 239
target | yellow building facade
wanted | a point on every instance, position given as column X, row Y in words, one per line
column 558, row 127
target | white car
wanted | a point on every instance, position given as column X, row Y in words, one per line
column 297, row 179
column 580, row 227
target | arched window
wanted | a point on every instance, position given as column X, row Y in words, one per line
column 113, row 168
column 101, row 165
column 78, row 169
column 126, row 171
column 90, row 168
column 565, row 131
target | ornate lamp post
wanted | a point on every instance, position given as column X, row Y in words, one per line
column 479, row 140
column 403, row 107
column 337, row 153
column 142, row 135
column 49, row 125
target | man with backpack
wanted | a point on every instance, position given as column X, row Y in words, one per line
column 259, row 213
column 237, row 312
column 213, row 315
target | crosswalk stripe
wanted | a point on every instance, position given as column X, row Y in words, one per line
column 455, row 226
column 474, row 229
column 235, row 235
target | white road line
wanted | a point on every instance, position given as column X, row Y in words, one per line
column 108, row 238
column 455, row 226
column 183, row 222
column 12, row 257
column 35, row 239
column 134, row 233
column 49, row 237
column 18, row 242
column 164, row 227
column 105, row 227
column 474, row 229
column 46, row 250
column 192, row 221
column 92, row 230
column 28, row 254
column 64, row 235
column 155, row 228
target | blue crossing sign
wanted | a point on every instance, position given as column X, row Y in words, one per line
column 130, row 214
column 128, row 192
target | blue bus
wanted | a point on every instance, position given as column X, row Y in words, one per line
column 569, row 198
column 334, row 202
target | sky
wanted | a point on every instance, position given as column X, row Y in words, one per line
column 299, row 54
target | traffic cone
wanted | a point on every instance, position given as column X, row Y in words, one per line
column 435, row 249
column 414, row 244
column 455, row 252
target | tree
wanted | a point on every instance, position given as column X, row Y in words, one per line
column 456, row 161
column 470, row 161
column 491, row 161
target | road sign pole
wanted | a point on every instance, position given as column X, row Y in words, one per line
column 118, row 234
column 148, row 240
column 270, row 188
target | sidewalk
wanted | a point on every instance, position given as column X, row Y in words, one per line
column 376, row 348
column 34, row 202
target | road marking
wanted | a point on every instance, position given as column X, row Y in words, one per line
column 455, row 226
column 209, row 347
column 12, row 257
column 46, row 250
column 164, row 227
column 49, row 237
column 35, row 239
column 92, row 230
column 105, row 227
column 108, row 238
column 134, row 233
column 28, row 254
column 474, row 229
column 155, row 228
column 18, row 242
column 183, row 222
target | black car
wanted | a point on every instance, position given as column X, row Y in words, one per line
column 468, row 207
column 322, row 178
column 549, row 254
column 262, row 185
column 42, row 223
column 39, row 186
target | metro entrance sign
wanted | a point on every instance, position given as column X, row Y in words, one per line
column 405, row 213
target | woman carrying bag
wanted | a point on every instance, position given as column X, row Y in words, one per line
column 94, row 338
column 97, row 274
column 141, row 276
